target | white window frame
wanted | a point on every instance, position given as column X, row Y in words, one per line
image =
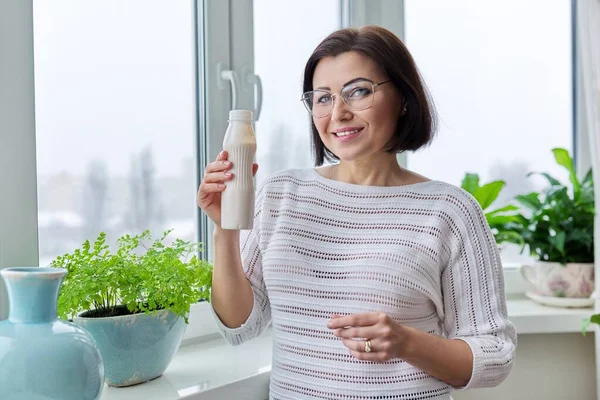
column 580, row 130
column 228, row 44
column 18, row 179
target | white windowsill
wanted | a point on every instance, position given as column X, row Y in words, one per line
column 213, row 370
column 530, row 317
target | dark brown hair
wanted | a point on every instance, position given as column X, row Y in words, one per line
column 417, row 126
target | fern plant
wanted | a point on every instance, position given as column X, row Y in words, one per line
column 136, row 278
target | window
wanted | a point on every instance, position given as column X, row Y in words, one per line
column 118, row 116
column 291, row 31
column 115, row 120
column 500, row 74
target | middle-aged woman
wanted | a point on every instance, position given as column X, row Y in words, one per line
column 379, row 282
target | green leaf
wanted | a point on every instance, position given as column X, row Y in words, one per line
column 505, row 209
column 594, row 319
column 508, row 237
column 559, row 241
column 553, row 181
column 489, row 192
column 531, row 201
column 564, row 159
column 470, row 183
column 503, row 219
column 588, row 179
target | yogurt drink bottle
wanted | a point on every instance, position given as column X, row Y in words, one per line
column 237, row 200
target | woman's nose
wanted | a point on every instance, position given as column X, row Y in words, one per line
column 340, row 111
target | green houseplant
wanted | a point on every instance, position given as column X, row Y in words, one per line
column 505, row 222
column 560, row 225
column 134, row 300
column 558, row 230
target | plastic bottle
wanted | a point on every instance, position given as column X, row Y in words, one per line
column 237, row 200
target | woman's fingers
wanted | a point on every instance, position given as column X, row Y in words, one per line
column 357, row 332
column 218, row 177
column 217, row 166
column 220, row 164
column 211, row 187
column 361, row 346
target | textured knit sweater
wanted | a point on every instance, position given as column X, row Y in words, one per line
column 422, row 253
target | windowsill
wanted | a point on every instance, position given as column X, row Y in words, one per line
column 213, row 370
column 208, row 370
column 530, row 317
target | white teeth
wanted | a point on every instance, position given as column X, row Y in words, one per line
column 341, row 134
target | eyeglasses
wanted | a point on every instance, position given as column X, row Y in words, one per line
column 357, row 95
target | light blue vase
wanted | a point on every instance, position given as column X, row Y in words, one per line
column 41, row 357
column 135, row 348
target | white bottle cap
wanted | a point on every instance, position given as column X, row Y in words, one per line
column 240, row 115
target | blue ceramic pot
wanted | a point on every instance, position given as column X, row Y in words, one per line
column 41, row 357
column 135, row 348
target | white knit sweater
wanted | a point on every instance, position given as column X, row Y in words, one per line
column 422, row 253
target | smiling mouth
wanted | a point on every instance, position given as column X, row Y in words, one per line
column 347, row 132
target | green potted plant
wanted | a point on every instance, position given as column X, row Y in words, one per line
column 134, row 301
column 505, row 222
column 559, row 233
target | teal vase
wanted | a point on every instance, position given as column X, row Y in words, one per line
column 42, row 357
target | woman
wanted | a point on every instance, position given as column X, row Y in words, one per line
column 379, row 283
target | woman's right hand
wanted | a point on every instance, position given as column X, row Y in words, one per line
column 213, row 184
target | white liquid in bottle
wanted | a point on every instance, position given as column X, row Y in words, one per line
column 237, row 200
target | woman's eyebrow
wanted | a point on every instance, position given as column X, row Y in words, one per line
column 360, row 78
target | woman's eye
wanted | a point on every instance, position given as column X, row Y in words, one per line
column 324, row 99
column 359, row 92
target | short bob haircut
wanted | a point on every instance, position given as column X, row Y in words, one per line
column 417, row 127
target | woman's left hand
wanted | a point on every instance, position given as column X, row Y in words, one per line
column 384, row 337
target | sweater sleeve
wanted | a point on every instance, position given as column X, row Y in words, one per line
column 251, row 255
column 474, row 298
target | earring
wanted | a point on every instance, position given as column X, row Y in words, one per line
column 405, row 108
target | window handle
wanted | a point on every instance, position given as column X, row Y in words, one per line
column 258, row 95
column 232, row 77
